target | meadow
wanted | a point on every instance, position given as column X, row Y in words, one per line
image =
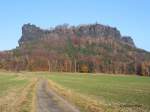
column 127, row 92
column 90, row 92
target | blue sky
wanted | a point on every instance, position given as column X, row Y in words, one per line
column 131, row 17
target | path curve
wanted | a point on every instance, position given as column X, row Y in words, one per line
column 49, row 101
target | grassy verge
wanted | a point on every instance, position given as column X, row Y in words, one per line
column 84, row 103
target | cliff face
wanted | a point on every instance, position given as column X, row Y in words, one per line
column 84, row 48
column 31, row 32
column 128, row 40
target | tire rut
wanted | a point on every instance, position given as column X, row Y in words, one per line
column 49, row 101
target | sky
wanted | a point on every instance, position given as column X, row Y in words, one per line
column 131, row 17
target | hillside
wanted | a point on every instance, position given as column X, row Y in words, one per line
column 83, row 48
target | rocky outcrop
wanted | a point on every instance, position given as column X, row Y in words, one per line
column 98, row 30
column 32, row 32
column 128, row 40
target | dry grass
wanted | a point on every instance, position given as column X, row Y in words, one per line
column 26, row 102
column 6, row 102
column 19, row 100
column 10, row 88
column 85, row 103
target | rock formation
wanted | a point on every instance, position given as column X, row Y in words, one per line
column 83, row 48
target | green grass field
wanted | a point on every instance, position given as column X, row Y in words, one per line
column 116, row 90
column 9, row 81
column 110, row 89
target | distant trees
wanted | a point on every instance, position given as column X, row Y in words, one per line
column 72, row 53
column 145, row 68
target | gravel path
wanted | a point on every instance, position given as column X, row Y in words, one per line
column 49, row 101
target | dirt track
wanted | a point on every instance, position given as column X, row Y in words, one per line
column 49, row 101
